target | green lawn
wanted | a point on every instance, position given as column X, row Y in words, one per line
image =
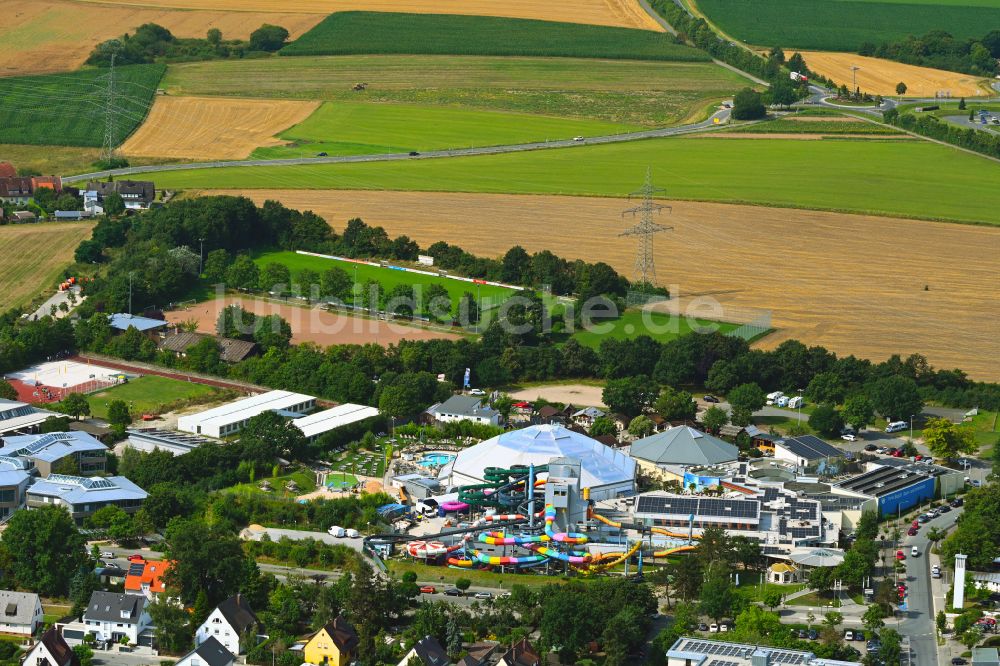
column 389, row 32
column 815, row 600
column 304, row 479
column 488, row 295
column 660, row 326
column 68, row 109
column 648, row 93
column 911, row 179
column 987, row 428
column 751, row 590
column 149, row 393
column 357, row 128
column 844, row 25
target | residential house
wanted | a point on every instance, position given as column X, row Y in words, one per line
column 428, row 652
column 145, row 577
column 92, row 202
column 50, row 650
column 209, row 653
column 7, row 170
column 20, row 612
column 549, row 414
column 231, row 624
column 230, row 350
column 335, row 644
column 585, row 417
column 15, row 190
column 521, row 653
column 53, row 183
column 83, row 496
column 137, row 194
column 72, row 452
column 112, row 617
column 464, row 408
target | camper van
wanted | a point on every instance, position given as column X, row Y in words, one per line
column 773, row 397
column 896, row 426
column 336, row 531
column 795, row 402
column 782, row 401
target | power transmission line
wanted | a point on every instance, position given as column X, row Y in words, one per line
column 108, row 151
column 645, row 268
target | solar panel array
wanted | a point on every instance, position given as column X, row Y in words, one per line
column 95, row 483
column 721, row 649
column 43, row 442
column 741, row 652
column 723, row 662
column 136, row 568
column 699, row 506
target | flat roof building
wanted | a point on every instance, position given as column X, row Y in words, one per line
column 232, row 417
column 689, row 651
column 20, row 417
column 150, row 439
column 48, row 452
column 895, row 489
column 314, row 425
column 83, row 496
column 811, row 454
column 122, row 321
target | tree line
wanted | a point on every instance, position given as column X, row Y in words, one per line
column 940, row 50
column 987, row 143
column 153, row 43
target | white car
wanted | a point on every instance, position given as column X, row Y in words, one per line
column 713, row 628
column 578, row 138
column 477, row 392
column 107, row 554
column 914, row 552
column 483, row 595
column 849, row 437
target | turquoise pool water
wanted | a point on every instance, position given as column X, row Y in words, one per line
column 435, row 460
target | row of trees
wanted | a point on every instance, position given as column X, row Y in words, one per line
column 939, row 49
column 987, row 143
column 153, row 43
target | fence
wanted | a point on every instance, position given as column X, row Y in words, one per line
column 758, row 326
column 640, row 298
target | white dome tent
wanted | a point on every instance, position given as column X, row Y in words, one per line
column 607, row 472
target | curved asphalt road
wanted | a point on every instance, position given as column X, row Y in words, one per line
column 710, row 124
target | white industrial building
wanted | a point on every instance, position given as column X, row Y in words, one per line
column 606, row 472
column 314, row 425
column 231, row 418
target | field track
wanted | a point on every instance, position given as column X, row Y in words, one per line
column 42, row 36
column 852, row 283
column 199, row 128
column 879, row 77
column 623, row 13
column 25, row 272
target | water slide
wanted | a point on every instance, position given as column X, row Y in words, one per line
column 654, row 530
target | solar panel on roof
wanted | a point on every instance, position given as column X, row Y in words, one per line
column 136, row 569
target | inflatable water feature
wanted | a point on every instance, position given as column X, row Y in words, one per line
column 453, row 506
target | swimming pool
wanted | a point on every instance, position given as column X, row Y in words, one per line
column 436, row 459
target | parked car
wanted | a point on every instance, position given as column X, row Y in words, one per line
column 900, row 555
column 912, row 531
column 483, row 595
column 702, row 627
column 849, row 437
column 957, row 502
column 136, row 558
column 923, row 518
column 848, row 635
column 107, row 554
column 710, row 398
column 321, row 154
column 812, row 634
column 453, row 592
column 914, row 552
column 915, row 524
column 870, row 447
column 578, row 138
column 352, row 534
column 713, row 628
column 859, row 635
column 944, row 508
column 897, row 453
column 958, row 661
column 428, row 589
column 801, row 633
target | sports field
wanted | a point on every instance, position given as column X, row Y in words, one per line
column 902, row 178
column 489, row 295
column 149, row 393
column 345, row 33
column 43, row 36
column 630, row 92
column 24, row 271
column 879, row 77
column 624, row 13
column 660, row 326
column 852, row 283
column 209, row 128
column 357, row 128
column 844, row 25
column 68, row 109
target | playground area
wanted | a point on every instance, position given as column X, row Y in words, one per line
column 517, row 520
column 54, row 380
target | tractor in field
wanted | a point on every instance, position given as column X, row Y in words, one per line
column 358, row 87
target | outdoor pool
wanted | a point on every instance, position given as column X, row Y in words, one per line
column 436, row 459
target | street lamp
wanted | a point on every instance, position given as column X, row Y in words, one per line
column 854, row 74
column 800, row 404
column 201, row 256
column 911, row 427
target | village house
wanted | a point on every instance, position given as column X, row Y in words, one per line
column 50, row 650
column 335, row 644
column 233, row 624
column 20, row 612
column 209, row 653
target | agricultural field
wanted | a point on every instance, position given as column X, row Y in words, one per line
column 926, row 180
column 660, row 326
column 823, row 125
column 879, row 77
column 24, row 271
column 44, row 36
column 727, row 262
column 68, row 109
column 357, row 128
column 645, row 93
column 346, row 33
column 490, row 296
column 844, row 25
column 152, row 394
column 624, row 13
column 206, row 128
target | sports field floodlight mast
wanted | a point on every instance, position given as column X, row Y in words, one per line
column 645, row 268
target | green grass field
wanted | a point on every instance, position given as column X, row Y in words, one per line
column 345, row 33
column 149, row 393
column 645, row 93
column 831, row 127
column 489, row 295
column 68, row 109
column 844, row 25
column 355, row 128
column 660, row 326
column 900, row 178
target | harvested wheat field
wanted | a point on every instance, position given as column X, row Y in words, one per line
column 837, row 280
column 40, row 36
column 879, row 77
column 624, row 13
column 24, row 271
column 207, row 128
column 310, row 324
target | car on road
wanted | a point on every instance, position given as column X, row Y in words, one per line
column 321, row 154
column 428, row 589
column 483, row 595
column 900, row 555
column 477, row 392
column 453, row 592
column 710, row 398
column 923, row 518
column 871, row 447
column 413, row 153
column 850, row 437
column 957, row 502
column 944, row 508
column 958, row 661
column 578, row 138
column 912, row 531
column 107, row 554
column 914, row 552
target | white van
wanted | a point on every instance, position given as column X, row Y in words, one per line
column 771, row 397
column 896, row 426
column 336, row 531
column 796, row 402
column 782, row 401
column 351, row 534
